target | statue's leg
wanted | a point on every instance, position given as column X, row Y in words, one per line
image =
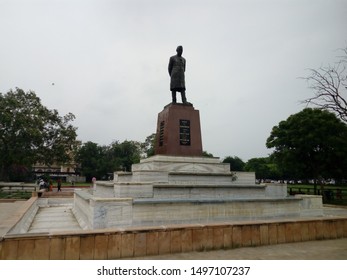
column 183, row 95
column 173, row 93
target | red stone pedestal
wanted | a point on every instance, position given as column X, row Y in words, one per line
column 178, row 131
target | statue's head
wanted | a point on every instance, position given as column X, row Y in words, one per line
column 179, row 50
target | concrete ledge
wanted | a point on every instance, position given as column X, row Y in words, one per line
column 21, row 219
column 143, row 241
column 163, row 158
column 123, row 173
column 99, row 212
column 213, row 200
column 183, row 173
column 105, row 183
column 164, row 185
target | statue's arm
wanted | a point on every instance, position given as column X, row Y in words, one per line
column 170, row 65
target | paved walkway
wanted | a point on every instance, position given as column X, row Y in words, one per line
column 7, row 210
column 8, row 207
column 335, row 249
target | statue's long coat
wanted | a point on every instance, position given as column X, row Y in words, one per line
column 177, row 67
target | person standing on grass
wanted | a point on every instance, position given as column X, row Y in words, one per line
column 59, row 185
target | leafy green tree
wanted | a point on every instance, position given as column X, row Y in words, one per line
column 263, row 167
column 259, row 166
column 31, row 133
column 147, row 147
column 101, row 161
column 20, row 173
column 236, row 164
column 310, row 144
column 207, row 154
column 124, row 154
column 90, row 158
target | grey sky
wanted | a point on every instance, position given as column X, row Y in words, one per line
column 108, row 62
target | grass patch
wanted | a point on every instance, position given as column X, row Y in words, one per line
column 15, row 195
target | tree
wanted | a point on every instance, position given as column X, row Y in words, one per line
column 90, row 158
column 236, row 164
column 264, row 168
column 101, row 161
column 330, row 86
column 310, row 144
column 147, row 147
column 124, row 154
column 31, row 133
column 207, row 154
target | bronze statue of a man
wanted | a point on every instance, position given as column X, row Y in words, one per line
column 177, row 67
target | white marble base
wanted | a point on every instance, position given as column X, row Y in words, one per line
column 97, row 213
column 165, row 189
column 94, row 212
column 182, row 164
column 189, row 174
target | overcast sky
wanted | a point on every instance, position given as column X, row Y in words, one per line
column 108, row 62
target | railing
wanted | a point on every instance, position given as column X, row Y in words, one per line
column 17, row 187
column 330, row 194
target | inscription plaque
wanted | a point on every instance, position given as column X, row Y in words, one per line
column 185, row 132
column 161, row 133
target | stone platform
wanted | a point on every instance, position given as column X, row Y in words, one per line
column 164, row 190
column 48, row 242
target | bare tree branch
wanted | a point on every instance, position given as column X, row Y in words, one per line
column 330, row 87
